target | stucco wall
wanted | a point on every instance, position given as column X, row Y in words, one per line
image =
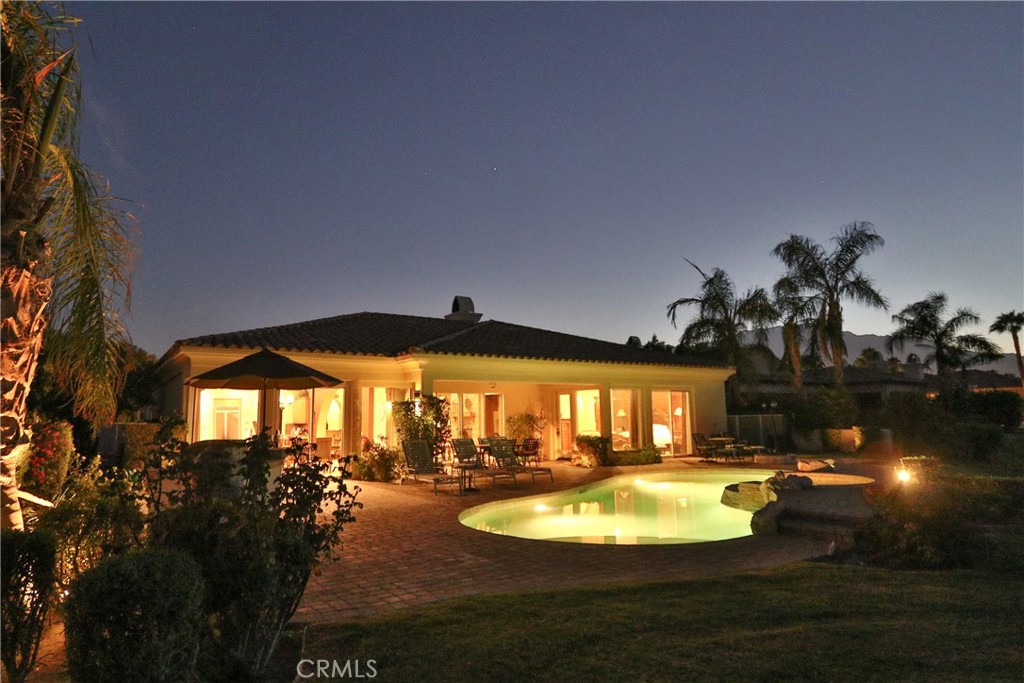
column 528, row 385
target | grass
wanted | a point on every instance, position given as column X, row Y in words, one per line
column 808, row 622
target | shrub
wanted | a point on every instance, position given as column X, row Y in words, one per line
column 524, row 426
column 426, row 418
column 377, row 462
column 136, row 617
column 51, row 455
column 976, row 441
column 95, row 516
column 290, row 529
column 831, row 408
column 648, row 455
column 257, row 550
column 26, row 585
column 595, row 451
column 943, row 522
column 139, row 438
column 1003, row 408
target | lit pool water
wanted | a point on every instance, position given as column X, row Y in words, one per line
column 664, row 507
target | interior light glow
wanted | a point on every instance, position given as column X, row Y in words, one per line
column 904, row 475
column 540, row 507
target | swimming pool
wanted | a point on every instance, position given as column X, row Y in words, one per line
column 665, row 507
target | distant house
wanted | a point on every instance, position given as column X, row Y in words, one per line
column 489, row 371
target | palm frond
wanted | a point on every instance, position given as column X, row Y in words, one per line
column 92, row 259
column 1011, row 323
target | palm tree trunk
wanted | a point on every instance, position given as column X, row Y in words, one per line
column 836, row 345
column 791, row 339
column 25, row 296
column 837, row 365
column 1020, row 361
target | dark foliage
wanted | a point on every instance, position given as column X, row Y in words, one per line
column 969, row 522
column 136, row 617
column 27, row 580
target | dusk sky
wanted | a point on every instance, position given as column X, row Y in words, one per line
column 555, row 162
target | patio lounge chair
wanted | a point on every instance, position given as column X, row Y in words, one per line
column 505, row 459
column 707, row 450
column 419, row 460
column 529, row 452
column 466, row 451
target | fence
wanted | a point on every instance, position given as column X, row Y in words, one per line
column 763, row 429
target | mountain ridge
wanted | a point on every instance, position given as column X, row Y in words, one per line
column 856, row 343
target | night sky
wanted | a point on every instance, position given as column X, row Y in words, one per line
column 555, row 162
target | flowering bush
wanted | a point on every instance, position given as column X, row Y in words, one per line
column 377, row 462
column 594, row 451
column 50, row 457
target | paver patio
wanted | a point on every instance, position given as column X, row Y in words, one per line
column 408, row 548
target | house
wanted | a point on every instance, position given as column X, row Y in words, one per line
column 489, row 371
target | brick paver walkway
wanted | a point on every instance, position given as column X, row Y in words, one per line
column 408, row 548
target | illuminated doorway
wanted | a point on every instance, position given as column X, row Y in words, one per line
column 671, row 421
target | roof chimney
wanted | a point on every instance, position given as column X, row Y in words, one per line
column 462, row 309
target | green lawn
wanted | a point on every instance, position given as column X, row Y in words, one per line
column 809, row 622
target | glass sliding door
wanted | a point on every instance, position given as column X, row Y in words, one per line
column 671, row 421
column 376, row 420
column 566, row 437
column 624, row 419
column 588, row 412
column 475, row 416
column 226, row 414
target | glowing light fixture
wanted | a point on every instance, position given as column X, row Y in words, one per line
column 904, row 475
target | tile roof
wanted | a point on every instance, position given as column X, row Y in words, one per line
column 392, row 335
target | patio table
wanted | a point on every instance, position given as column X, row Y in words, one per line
column 465, row 472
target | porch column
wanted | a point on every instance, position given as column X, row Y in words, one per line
column 426, row 383
column 606, row 411
column 350, row 419
column 645, row 418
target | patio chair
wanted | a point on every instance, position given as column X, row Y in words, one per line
column 419, row 460
column 529, row 452
column 707, row 450
column 466, row 451
column 505, row 459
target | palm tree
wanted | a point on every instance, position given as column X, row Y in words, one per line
column 1011, row 323
column 868, row 357
column 64, row 245
column 925, row 323
column 825, row 280
column 723, row 318
column 796, row 314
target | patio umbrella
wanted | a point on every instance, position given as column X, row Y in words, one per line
column 261, row 371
